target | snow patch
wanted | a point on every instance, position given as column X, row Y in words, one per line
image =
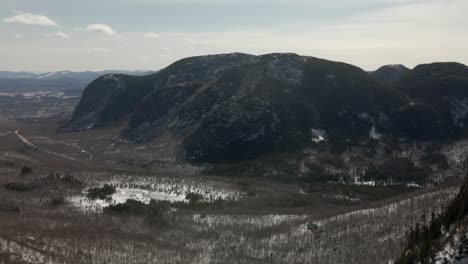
column 318, row 135
column 373, row 134
column 449, row 254
column 340, row 197
column 144, row 196
column 46, row 75
column 111, row 77
column 365, row 183
column 415, row 185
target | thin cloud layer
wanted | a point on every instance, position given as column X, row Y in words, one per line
column 59, row 34
column 367, row 33
column 101, row 28
column 30, row 19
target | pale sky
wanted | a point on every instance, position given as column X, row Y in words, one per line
column 51, row 35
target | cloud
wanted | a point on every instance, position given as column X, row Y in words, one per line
column 152, row 35
column 144, row 57
column 30, row 19
column 59, row 34
column 98, row 50
column 101, row 28
column 18, row 35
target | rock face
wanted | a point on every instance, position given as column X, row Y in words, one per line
column 234, row 107
column 107, row 100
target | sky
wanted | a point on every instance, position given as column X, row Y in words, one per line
column 78, row 35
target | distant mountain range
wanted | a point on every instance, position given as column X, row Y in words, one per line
column 60, row 80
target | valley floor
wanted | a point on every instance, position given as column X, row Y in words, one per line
column 180, row 215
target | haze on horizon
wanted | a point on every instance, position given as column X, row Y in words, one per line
column 52, row 35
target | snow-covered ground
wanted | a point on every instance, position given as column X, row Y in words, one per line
column 37, row 94
column 20, row 250
column 146, row 189
column 121, row 196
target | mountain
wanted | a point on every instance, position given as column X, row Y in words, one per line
column 238, row 106
column 291, row 115
column 61, row 80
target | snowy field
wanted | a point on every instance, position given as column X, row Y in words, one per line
column 155, row 188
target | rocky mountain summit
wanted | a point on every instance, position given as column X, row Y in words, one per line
column 389, row 74
column 234, row 107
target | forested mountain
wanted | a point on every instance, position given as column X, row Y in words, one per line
column 237, row 107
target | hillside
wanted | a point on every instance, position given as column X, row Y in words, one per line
column 440, row 238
